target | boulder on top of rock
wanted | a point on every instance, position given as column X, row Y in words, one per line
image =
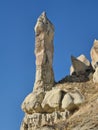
column 32, row 102
column 72, row 100
column 94, row 54
column 52, row 100
column 80, row 65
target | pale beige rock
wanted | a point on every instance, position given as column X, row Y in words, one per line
column 79, row 64
column 52, row 100
column 48, row 107
column 44, row 49
column 67, row 102
column 32, row 102
column 94, row 54
column 77, row 96
column 95, row 76
column 72, row 99
column 37, row 121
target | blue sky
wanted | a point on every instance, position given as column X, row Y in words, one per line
column 76, row 27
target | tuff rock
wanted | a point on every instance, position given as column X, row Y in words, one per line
column 44, row 34
column 81, row 63
column 32, row 103
column 95, row 76
column 69, row 104
column 94, row 54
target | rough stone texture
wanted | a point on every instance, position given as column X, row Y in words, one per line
column 72, row 100
column 84, row 118
column 77, row 65
column 52, row 100
column 95, row 76
column 94, row 54
column 44, row 49
column 80, row 65
column 38, row 120
column 70, row 104
column 32, row 102
column 67, row 102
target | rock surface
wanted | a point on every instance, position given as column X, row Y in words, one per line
column 44, row 49
column 94, row 54
column 32, row 102
column 79, row 65
column 70, row 104
column 72, row 100
column 80, row 61
column 52, row 100
column 95, row 76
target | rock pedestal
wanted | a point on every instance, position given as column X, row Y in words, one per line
column 44, row 49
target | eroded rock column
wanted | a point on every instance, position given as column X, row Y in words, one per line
column 44, row 49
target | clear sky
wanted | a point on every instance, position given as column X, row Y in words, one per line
column 76, row 27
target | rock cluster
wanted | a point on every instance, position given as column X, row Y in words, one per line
column 48, row 103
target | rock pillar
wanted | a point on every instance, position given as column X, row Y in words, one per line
column 44, row 49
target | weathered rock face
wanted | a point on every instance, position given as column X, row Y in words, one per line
column 94, row 54
column 53, row 106
column 81, row 63
column 95, row 76
column 71, row 100
column 44, row 49
column 32, row 102
column 43, row 121
column 52, row 100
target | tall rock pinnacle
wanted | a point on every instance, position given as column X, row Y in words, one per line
column 44, row 34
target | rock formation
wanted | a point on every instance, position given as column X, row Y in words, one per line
column 44, row 49
column 94, row 54
column 94, row 57
column 79, row 64
column 70, row 104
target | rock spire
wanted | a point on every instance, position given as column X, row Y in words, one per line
column 44, row 34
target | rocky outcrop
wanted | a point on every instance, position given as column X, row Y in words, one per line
column 95, row 76
column 72, row 100
column 44, row 49
column 32, row 102
column 94, row 54
column 79, row 64
column 63, row 105
column 94, row 57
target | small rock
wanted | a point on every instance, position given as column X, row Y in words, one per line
column 72, row 100
column 52, row 100
column 32, row 102
column 67, row 102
